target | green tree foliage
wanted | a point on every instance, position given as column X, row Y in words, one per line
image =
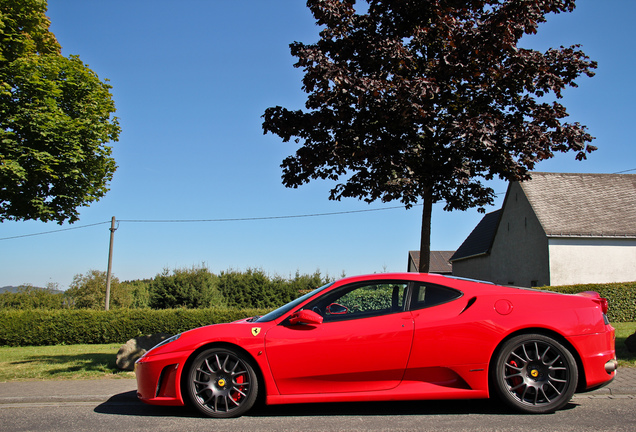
column 185, row 288
column 88, row 291
column 252, row 287
column 420, row 101
column 55, row 121
column 139, row 290
column 29, row 297
column 255, row 289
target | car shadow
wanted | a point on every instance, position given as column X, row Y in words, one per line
column 128, row 404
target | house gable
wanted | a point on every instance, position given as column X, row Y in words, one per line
column 558, row 229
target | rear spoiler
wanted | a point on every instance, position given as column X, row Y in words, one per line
column 597, row 298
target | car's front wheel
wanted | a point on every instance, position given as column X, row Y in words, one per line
column 221, row 383
column 535, row 374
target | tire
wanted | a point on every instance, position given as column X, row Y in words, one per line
column 221, row 383
column 535, row 374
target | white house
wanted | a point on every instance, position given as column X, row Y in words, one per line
column 556, row 229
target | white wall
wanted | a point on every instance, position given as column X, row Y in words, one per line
column 580, row 261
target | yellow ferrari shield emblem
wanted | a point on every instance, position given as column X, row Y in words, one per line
column 256, row 331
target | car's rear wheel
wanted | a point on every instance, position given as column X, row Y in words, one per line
column 221, row 383
column 535, row 374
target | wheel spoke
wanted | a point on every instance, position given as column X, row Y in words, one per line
column 204, row 372
column 208, row 366
column 554, row 388
column 525, row 353
column 553, row 361
column 519, row 386
column 519, row 357
column 224, row 366
column 545, row 396
column 558, row 380
column 543, row 356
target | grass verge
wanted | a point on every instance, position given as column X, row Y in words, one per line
column 98, row 361
column 623, row 331
column 60, row 362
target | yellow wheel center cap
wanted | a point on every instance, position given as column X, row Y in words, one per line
column 221, row 382
column 534, row 373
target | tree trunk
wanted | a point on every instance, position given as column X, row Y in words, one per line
column 425, row 238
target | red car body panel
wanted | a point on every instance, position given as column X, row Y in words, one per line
column 333, row 365
column 439, row 352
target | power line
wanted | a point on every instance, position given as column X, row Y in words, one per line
column 257, row 218
column 208, row 220
column 54, row 231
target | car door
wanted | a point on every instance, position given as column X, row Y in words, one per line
column 448, row 347
column 363, row 344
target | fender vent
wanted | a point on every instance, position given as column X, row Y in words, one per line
column 469, row 304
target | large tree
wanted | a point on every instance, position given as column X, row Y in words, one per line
column 421, row 101
column 55, row 121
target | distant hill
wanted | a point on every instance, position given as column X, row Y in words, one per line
column 14, row 289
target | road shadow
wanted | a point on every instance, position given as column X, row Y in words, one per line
column 128, row 404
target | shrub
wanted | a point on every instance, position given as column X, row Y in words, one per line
column 139, row 291
column 29, row 297
column 255, row 289
column 52, row 327
column 88, row 291
column 620, row 296
column 185, row 288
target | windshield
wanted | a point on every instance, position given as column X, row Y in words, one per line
column 275, row 314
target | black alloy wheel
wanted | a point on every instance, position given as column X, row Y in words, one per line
column 221, row 383
column 535, row 374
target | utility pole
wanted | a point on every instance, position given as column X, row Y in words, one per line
column 110, row 261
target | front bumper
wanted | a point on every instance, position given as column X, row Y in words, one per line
column 158, row 378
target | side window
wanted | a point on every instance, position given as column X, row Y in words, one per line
column 361, row 301
column 427, row 295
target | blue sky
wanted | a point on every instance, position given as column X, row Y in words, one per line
column 191, row 80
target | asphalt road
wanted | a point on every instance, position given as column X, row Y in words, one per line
column 111, row 405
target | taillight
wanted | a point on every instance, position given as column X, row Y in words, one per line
column 604, row 304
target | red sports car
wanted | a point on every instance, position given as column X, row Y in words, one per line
column 393, row 337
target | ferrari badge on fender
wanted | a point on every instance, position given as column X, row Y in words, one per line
column 256, row 331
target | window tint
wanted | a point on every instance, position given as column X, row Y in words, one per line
column 361, row 301
column 427, row 295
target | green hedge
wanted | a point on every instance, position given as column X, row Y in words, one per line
column 620, row 296
column 52, row 327
column 84, row 326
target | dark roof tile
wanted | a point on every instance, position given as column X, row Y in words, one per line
column 584, row 205
column 480, row 239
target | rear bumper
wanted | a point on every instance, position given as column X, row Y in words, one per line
column 598, row 356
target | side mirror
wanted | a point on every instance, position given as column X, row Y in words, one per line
column 337, row 309
column 305, row 316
